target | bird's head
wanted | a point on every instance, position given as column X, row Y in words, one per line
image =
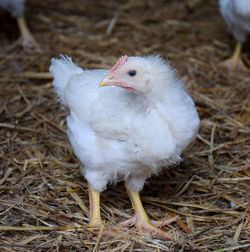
column 138, row 74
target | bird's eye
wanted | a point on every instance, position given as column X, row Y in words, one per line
column 132, row 73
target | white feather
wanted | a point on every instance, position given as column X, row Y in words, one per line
column 237, row 16
column 122, row 136
column 62, row 70
column 15, row 7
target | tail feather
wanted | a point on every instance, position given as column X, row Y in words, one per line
column 62, row 70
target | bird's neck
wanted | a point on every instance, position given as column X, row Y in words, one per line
column 148, row 102
column 160, row 95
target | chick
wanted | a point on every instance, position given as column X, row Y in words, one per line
column 125, row 124
column 16, row 8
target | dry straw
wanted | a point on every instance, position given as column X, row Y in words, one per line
column 44, row 203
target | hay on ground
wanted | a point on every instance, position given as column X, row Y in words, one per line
column 44, row 202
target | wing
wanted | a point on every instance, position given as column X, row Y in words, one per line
column 182, row 118
column 94, row 149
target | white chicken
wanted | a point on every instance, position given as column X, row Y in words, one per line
column 140, row 122
column 237, row 16
column 16, row 8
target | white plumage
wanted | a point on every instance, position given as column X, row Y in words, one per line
column 126, row 131
column 15, row 7
column 118, row 135
column 237, row 16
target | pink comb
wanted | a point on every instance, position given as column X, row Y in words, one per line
column 121, row 61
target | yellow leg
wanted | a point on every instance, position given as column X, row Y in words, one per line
column 23, row 27
column 138, row 207
column 95, row 213
column 236, row 54
column 235, row 63
column 142, row 221
column 27, row 39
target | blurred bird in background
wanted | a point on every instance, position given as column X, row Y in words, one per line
column 138, row 123
column 16, row 8
column 237, row 16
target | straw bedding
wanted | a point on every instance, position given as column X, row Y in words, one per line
column 44, row 202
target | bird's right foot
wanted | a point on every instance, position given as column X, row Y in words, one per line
column 146, row 226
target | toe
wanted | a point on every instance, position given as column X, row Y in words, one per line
column 165, row 222
column 129, row 222
column 147, row 227
column 29, row 44
column 232, row 66
column 155, row 232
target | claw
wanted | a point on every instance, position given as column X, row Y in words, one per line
column 150, row 227
column 164, row 222
column 30, row 44
column 235, row 63
column 142, row 222
column 232, row 66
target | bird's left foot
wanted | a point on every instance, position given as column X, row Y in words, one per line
column 146, row 226
column 26, row 39
column 29, row 43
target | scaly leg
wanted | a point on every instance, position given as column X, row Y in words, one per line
column 235, row 63
column 28, row 42
column 142, row 221
column 95, row 213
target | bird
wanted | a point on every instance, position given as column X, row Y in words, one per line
column 125, row 124
column 236, row 14
column 16, row 9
